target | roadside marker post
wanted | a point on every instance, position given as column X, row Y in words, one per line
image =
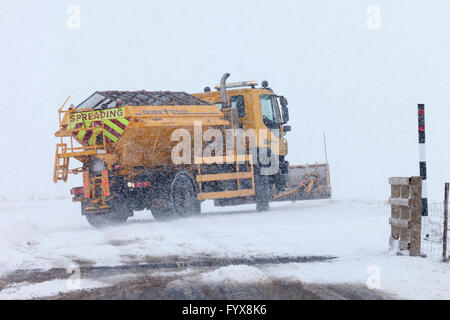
column 423, row 164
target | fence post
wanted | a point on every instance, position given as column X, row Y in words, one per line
column 444, row 238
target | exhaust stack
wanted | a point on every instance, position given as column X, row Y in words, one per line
column 223, row 90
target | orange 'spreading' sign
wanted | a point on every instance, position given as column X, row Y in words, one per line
column 97, row 115
column 109, row 122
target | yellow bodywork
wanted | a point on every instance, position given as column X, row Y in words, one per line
column 144, row 142
column 253, row 116
column 144, row 138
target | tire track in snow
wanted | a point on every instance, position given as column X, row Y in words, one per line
column 39, row 275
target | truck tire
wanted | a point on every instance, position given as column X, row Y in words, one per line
column 162, row 214
column 182, row 199
column 262, row 191
column 114, row 216
column 184, row 196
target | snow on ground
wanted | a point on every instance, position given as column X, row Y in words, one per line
column 235, row 274
column 48, row 234
column 54, row 234
column 405, row 277
column 44, row 289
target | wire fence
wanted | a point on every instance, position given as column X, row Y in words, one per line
column 433, row 235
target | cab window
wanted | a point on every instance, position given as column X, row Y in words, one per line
column 269, row 109
column 236, row 101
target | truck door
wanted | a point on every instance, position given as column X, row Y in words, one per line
column 271, row 113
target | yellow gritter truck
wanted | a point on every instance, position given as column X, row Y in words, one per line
column 169, row 151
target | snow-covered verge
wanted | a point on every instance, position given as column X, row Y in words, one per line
column 53, row 234
column 402, row 277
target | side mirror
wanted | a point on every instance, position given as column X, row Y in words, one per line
column 283, row 101
column 285, row 114
column 286, row 129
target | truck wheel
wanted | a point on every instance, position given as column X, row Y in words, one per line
column 162, row 214
column 105, row 219
column 262, row 195
column 184, row 196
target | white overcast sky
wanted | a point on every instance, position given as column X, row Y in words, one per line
column 360, row 86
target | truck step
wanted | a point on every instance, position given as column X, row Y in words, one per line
column 226, row 194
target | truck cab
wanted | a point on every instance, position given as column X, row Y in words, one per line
column 263, row 113
column 257, row 109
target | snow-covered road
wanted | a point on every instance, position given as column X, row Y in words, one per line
column 53, row 234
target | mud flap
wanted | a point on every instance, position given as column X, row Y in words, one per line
column 105, row 184
column 86, row 190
